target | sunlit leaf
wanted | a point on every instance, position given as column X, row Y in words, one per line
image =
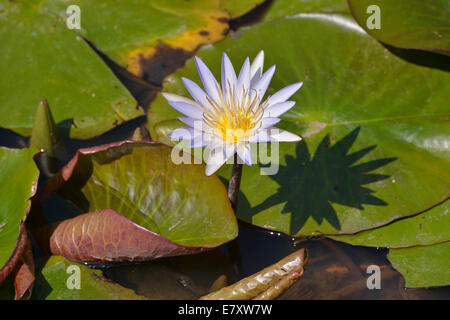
column 282, row 8
column 426, row 266
column 18, row 179
column 55, row 281
column 152, row 38
column 43, row 59
column 375, row 128
column 426, row 228
column 413, row 24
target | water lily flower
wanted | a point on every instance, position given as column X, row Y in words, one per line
column 227, row 118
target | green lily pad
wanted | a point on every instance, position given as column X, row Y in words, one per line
column 282, row 8
column 426, row 266
column 238, row 8
column 413, row 24
column 375, row 128
column 43, row 59
column 56, row 272
column 423, row 229
column 18, row 179
column 136, row 33
column 141, row 182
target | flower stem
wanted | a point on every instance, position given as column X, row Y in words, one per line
column 233, row 192
column 235, row 182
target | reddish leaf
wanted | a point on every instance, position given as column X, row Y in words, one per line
column 24, row 277
column 106, row 236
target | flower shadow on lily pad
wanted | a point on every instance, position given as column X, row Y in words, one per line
column 308, row 185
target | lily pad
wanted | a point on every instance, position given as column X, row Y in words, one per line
column 413, row 24
column 282, row 8
column 137, row 33
column 46, row 60
column 43, row 59
column 18, row 179
column 423, row 229
column 140, row 181
column 375, row 128
column 53, row 276
column 426, row 266
column 107, row 236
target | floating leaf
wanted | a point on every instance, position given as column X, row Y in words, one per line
column 426, row 266
column 282, row 8
column 152, row 38
column 46, row 60
column 375, row 128
column 238, row 8
column 426, row 228
column 412, row 24
column 54, row 274
column 266, row 284
column 141, row 182
column 106, row 235
column 43, row 59
column 18, row 179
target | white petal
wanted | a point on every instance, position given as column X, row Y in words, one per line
column 199, row 141
column 182, row 134
column 196, row 92
column 278, row 109
column 284, row 94
column 261, row 85
column 244, row 78
column 268, row 122
column 256, row 68
column 261, row 136
column 187, row 109
column 228, row 76
column 217, row 157
column 176, row 98
column 209, row 81
column 194, row 123
column 283, row 135
column 245, row 153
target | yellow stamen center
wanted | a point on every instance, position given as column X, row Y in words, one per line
column 234, row 120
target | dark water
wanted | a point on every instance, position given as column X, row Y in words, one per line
column 335, row 270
